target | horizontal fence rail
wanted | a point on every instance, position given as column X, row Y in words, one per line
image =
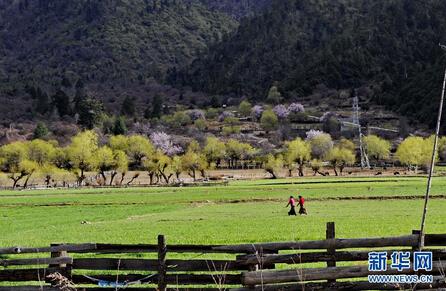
column 356, row 285
column 302, row 258
column 315, row 274
column 58, row 248
column 39, row 261
column 400, row 241
column 114, row 249
column 259, row 266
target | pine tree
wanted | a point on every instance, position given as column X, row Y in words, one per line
column 156, row 108
column 274, row 95
column 79, row 96
column 66, row 82
column 214, row 103
column 42, row 103
column 62, row 102
column 40, row 131
column 128, row 107
column 90, row 113
column 119, row 127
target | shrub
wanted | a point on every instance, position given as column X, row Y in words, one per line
column 163, row 142
column 40, row 131
column 321, row 143
column 296, row 108
column 200, row 124
column 211, row 113
column 257, row 111
column 196, row 114
column 269, row 121
column 281, row 111
column 180, row 118
column 224, row 115
column 244, row 108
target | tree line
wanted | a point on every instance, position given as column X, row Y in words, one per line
column 165, row 162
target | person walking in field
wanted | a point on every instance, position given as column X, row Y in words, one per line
column 292, row 203
column 302, row 209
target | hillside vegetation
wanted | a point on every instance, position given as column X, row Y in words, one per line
column 106, row 40
column 390, row 47
column 142, row 54
column 238, row 8
column 119, row 45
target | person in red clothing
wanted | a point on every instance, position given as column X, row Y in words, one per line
column 302, row 209
column 292, row 203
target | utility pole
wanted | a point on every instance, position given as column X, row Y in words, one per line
column 432, row 165
column 364, row 158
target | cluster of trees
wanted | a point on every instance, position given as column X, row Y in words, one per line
column 268, row 115
column 164, row 162
column 89, row 113
column 319, row 149
column 39, row 158
column 316, row 149
column 416, row 151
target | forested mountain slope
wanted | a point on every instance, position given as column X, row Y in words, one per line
column 117, row 44
column 238, row 8
column 389, row 46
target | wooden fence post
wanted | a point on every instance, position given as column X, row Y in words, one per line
column 162, row 267
column 255, row 267
column 331, row 251
column 67, row 269
column 56, row 255
column 416, row 232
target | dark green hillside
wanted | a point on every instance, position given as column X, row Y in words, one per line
column 238, row 8
column 126, row 49
column 117, row 44
column 391, row 46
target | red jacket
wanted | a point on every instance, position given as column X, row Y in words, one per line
column 301, row 201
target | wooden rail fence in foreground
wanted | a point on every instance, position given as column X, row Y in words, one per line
column 259, row 266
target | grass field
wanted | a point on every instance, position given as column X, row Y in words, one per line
column 244, row 211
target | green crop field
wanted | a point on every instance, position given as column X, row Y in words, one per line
column 242, row 212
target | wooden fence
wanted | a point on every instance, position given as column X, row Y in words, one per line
column 263, row 266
